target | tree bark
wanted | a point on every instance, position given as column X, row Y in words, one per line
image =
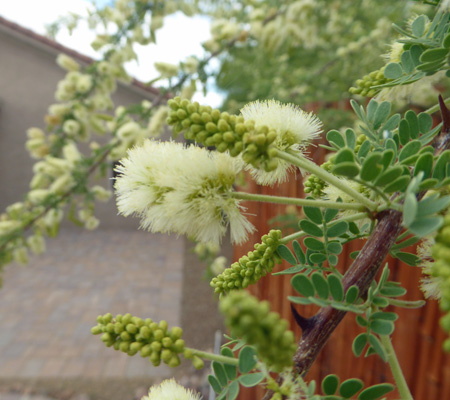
column 361, row 273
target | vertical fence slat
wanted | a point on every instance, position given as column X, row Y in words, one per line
column 417, row 339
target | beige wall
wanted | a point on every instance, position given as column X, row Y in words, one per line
column 28, row 79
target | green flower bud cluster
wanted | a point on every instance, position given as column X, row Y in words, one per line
column 364, row 86
column 225, row 132
column 253, row 321
column 315, row 185
column 151, row 339
column 441, row 269
column 250, row 268
column 360, row 139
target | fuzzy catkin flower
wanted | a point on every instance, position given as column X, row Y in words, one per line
column 67, row 63
column 218, row 265
column 332, row 193
column 290, row 129
column 170, row 390
column 250, row 268
column 440, row 270
column 430, row 285
column 181, row 189
column 157, row 122
column 258, row 326
column 294, row 128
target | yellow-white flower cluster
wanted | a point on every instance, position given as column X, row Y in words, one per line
column 170, row 390
column 167, row 70
column 158, row 121
column 332, row 193
column 429, row 284
column 181, row 189
column 295, row 130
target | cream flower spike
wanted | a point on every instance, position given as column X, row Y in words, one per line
column 170, row 390
column 181, row 189
column 295, row 130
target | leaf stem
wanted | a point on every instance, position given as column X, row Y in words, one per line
column 297, row 202
column 214, row 357
column 397, row 372
column 311, row 167
column 300, row 234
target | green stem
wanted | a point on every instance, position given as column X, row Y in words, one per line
column 214, row 357
column 300, row 234
column 435, row 108
column 400, row 380
column 313, row 168
column 297, row 202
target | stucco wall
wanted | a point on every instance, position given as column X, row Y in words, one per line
column 28, row 79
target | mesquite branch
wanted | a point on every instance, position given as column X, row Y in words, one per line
column 318, row 329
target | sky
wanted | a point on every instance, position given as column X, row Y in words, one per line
column 171, row 48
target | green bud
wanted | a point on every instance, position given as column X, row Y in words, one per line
column 197, row 362
column 126, row 319
column 211, row 127
column 124, row 346
column 166, row 355
column 158, row 334
column 187, row 353
column 155, row 358
column 96, row 330
column 179, row 345
column 206, row 118
column 118, row 328
column 107, row 318
column 215, row 114
column 174, row 361
column 209, row 142
column 167, row 342
column 136, row 346
column 223, row 125
column 197, row 119
column 145, row 332
column 156, row 346
column 106, row 337
column 222, row 147
column 228, row 137
column 271, row 165
column 131, row 328
column 186, row 123
column 146, row 351
column 176, row 333
column 153, row 326
column 266, row 331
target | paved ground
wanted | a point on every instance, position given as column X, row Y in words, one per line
column 48, row 307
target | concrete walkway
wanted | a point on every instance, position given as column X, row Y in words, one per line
column 48, row 307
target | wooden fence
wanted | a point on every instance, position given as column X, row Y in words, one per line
column 417, row 339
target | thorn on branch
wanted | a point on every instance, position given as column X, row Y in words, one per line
column 302, row 322
column 445, row 113
column 442, row 140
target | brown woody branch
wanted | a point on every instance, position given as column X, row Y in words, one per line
column 318, row 329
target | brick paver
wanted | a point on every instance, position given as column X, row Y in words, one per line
column 48, row 307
